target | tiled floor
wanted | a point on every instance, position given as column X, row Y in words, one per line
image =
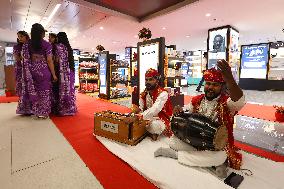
column 34, row 154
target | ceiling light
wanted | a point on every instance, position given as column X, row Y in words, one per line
column 84, row 36
column 163, row 28
column 187, row 36
column 204, row 41
column 208, row 14
column 135, row 36
column 93, row 48
column 52, row 14
column 101, row 28
column 0, row 46
column 114, row 42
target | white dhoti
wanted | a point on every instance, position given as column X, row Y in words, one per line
column 188, row 155
column 156, row 126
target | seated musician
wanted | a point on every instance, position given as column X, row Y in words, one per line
column 154, row 106
column 218, row 106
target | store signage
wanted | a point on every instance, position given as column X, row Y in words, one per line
column 103, row 73
column 148, row 58
column 107, row 126
column 276, row 65
column 254, row 61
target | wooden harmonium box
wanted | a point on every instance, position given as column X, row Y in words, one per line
column 111, row 125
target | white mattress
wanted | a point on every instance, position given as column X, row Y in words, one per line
column 169, row 174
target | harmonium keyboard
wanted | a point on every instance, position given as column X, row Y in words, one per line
column 111, row 125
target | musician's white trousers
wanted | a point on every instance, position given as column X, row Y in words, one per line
column 156, row 126
column 188, row 155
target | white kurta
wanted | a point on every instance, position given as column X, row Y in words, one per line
column 187, row 154
column 156, row 125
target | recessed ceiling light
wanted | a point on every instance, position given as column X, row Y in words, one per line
column 204, row 41
column 164, row 28
column 84, row 36
column 0, row 46
column 101, row 28
column 93, row 48
column 208, row 14
column 187, row 36
column 114, row 42
column 135, row 36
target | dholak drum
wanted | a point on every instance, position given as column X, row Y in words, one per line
column 199, row 131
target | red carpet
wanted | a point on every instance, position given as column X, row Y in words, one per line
column 4, row 99
column 111, row 171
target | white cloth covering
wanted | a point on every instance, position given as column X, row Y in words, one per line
column 156, row 125
column 188, row 155
column 166, row 173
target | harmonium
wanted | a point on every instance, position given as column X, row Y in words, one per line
column 111, row 125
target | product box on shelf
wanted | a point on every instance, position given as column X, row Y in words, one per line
column 110, row 125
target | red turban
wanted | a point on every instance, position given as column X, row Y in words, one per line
column 213, row 75
column 152, row 73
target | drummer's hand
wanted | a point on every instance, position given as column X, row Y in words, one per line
column 225, row 68
column 177, row 110
column 131, row 119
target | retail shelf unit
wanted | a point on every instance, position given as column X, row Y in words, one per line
column 88, row 74
column 113, row 76
column 120, row 71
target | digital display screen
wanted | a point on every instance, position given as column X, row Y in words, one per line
column 217, row 46
column 149, row 58
column 103, row 73
column 276, row 64
column 254, row 61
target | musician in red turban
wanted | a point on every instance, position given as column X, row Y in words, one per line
column 221, row 101
column 154, row 106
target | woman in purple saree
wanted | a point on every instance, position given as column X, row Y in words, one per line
column 64, row 91
column 23, row 37
column 38, row 72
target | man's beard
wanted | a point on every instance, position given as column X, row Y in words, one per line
column 210, row 95
column 150, row 87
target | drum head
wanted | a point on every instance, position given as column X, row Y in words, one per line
column 221, row 138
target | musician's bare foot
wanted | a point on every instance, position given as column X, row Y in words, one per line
column 154, row 137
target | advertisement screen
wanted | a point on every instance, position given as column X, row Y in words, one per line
column 276, row 65
column 217, row 46
column 103, row 73
column 149, row 58
column 254, row 61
